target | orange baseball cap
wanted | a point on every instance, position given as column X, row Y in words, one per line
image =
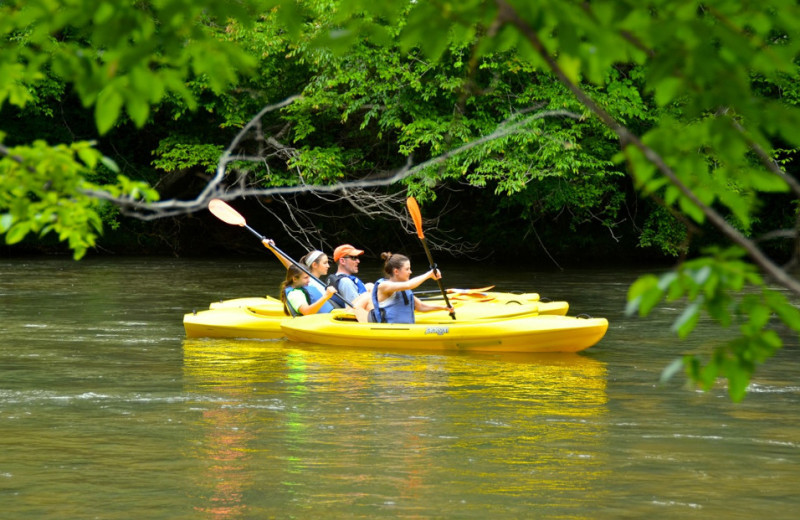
column 345, row 250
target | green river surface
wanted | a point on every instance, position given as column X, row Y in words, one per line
column 107, row 411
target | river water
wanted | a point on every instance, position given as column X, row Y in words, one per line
column 107, row 411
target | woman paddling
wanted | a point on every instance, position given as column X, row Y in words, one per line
column 318, row 265
column 393, row 300
column 299, row 298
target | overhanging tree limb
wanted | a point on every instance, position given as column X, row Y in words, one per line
column 507, row 14
column 217, row 189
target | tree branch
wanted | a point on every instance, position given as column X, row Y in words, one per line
column 507, row 14
column 217, row 189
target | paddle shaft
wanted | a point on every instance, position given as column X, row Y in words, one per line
column 439, row 280
column 297, row 264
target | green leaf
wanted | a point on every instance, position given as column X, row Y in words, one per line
column 642, row 285
column 719, row 308
column 571, row 66
column 787, row 312
column 692, row 210
column 633, row 305
column 17, row 232
column 759, row 315
column 707, row 375
column 138, row 108
column 738, row 379
column 766, row 181
column 649, row 300
column 103, row 13
column 688, row 319
column 667, row 89
column 666, row 280
column 109, row 163
column 643, row 295
column 6, row 220
column 702, row 275
column 670, row 370
column 107, row 110
column 88, row 156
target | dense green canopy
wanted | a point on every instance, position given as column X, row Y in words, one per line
column 549, row 116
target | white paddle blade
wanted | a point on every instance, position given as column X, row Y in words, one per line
column 225, row 213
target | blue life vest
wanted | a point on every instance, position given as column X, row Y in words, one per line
column 334, row 280
column 399, row 310
column 312, row 294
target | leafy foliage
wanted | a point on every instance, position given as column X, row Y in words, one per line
column 732, row 293
column 120, row 58
column 50, row 193
column 697, row 103
column 706, row 156
column 175, row 155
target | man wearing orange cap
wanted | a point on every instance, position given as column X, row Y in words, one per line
column 344, row 279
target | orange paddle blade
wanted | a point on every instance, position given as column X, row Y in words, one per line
column 416, row 216
column 225, row 213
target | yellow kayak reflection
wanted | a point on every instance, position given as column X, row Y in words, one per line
column 341, row 425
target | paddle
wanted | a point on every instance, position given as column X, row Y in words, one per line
column 227, row 214
column 416, row 216
column 459, row 291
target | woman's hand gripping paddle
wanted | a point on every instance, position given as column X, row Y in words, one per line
column 227, row 214
column 416, row 216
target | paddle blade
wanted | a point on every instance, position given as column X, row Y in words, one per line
column 225, row 213
column 416, row 216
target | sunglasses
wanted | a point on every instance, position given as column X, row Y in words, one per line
column 352, row 257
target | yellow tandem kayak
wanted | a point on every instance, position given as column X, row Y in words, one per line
column 264, row 321
column 455, row 295
column 526, row 333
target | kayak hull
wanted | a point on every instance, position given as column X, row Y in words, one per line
column 234, row 322
column 264, row 321
column 531, row 334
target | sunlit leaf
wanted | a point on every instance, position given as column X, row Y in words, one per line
column 787, row 312
column 668, row 89
column 109, row 163
column 666, row 280
column 738, row 379
column 673, row 368
column 6, row 220
column 691, row 209
column 138, row 109
column 17, row 232
column 108, row 108
column 642, row 284
column 688, row 319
